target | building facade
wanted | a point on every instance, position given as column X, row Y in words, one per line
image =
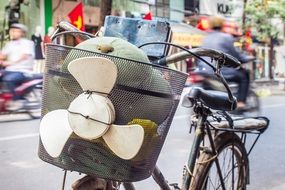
column 47, row 13
column 26, row 12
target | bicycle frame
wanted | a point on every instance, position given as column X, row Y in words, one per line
column 200, row 132
column 201, row 129
column 204, row 129
column 199, row 135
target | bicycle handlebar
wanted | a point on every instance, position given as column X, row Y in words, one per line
column 66, row 26
column 223, row 59
column 228, row 60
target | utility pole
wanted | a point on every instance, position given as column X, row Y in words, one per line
column 105, row 9
column 196, row 4
column 244, row 16
column 271, row 50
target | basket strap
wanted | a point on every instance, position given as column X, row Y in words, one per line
column 59, row 73
column 147, row 92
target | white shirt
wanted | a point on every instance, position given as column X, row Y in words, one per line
column 14, row 50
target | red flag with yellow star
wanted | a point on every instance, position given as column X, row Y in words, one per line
column 148, row 16
column 76, row 17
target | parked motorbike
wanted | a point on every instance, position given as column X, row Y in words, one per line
column 210, row 82
column 30, row 90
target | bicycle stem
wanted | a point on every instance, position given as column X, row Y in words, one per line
column 222, row 79
column 65, row 27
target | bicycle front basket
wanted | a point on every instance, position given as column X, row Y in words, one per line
column 152, row 99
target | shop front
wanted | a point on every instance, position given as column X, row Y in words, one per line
column 186, row 36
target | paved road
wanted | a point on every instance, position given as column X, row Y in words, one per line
column 22, row 170
column 267, row 159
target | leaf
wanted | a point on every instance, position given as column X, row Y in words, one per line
column 259, row 16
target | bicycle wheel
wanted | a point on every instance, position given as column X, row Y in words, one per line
column 253, row 104
column 94, row 183
column 233, row 162
column 33, row 105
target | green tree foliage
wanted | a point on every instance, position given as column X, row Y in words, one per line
column 259, row 15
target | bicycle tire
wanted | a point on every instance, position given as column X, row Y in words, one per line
column 253, row 104
column 34, row 99
column 128, row 186
column 206, row 164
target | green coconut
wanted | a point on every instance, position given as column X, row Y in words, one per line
column 127, row 73
column 115, row 47
column 132, row 72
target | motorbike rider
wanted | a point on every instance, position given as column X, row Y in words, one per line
column 219, row 40
column 17, row 57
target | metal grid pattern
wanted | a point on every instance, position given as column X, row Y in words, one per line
column 142, row 91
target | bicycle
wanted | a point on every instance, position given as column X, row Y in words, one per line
column 217, row 134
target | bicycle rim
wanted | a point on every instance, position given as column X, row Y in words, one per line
column 33, row 106
column 233, row 163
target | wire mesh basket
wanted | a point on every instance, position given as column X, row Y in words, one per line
column 142, row 91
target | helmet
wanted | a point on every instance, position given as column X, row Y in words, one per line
column 216, row 22
column 19, row 26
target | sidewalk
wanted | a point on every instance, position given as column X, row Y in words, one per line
column 267, row 87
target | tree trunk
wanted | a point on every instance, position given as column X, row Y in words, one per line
column 105, row 9
column 244, row 17
column 271, row 59
column 283, row 31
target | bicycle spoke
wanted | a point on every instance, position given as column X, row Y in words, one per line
column 230, row 175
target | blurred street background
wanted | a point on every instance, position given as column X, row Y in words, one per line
column 259, row 23
column 260, row 27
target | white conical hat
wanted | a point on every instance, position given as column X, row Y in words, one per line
column 55, row 131
column 95, row 74
column 91, row 115
column 124, row 140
